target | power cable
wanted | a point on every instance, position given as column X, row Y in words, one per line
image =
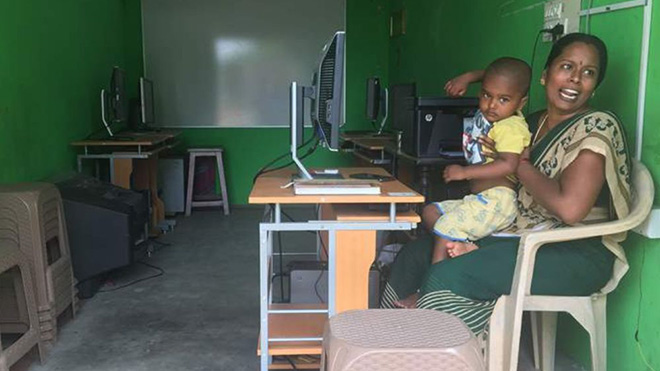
column 159, row 273
column 639, row 313
column 555, row 31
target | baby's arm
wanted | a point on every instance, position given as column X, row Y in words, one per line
column 505, row 164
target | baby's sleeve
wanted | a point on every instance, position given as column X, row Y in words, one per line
column 510, row 135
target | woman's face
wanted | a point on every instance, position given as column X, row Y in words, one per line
column 571, row 78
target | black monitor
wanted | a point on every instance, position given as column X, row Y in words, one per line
column 328, row 111
column 377, row 102
column 327, row 95
column 297, row 95
column 114, row 107
column 147, row 108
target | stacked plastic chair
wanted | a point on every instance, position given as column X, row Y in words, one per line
column 32, row 217
column 399, row 340
column 15, row 264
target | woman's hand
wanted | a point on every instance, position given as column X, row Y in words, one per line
column 524, row 156
column 457, row 86
column 488, row 147
column 453, row 172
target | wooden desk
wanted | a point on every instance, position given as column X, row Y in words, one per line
column 350, row 231
column 420, row 173
column 132, row 153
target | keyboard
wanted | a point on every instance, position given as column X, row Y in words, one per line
column 336, row 187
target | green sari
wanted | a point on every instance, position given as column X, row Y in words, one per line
column 468, row 286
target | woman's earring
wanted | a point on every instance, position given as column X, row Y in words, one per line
column 593, row 94
column 542, row 81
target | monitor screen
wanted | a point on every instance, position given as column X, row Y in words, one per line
column 373, row 98
column 147, row 101
column 117, row 96
column 328, row 113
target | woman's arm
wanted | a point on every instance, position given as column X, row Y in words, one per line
column 572, row 196
column 457, row 86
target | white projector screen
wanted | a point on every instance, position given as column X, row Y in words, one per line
column 218, row 63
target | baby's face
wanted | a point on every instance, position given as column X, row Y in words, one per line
column 500, row 98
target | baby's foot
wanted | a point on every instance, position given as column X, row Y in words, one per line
column 408, row 303
column 457, row 248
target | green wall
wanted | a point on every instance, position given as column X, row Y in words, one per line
column 54, row 59
column 447, row 37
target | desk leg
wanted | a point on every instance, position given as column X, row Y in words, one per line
column 355, row 252
column 121, row 172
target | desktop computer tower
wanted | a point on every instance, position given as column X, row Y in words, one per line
column 436, row 125
column 308, row 283
column 171, row 172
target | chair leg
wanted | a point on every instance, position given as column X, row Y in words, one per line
column 3, row 363
column 223, row 182
column 191, row 179
column 548, row 340
column 495, row 348
column 535, row 319
column 598, row 334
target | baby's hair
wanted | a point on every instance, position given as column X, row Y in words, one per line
column 516, row 70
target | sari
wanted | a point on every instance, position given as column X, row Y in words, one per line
column 468, row 286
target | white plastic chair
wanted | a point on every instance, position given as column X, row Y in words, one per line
column 589, row 311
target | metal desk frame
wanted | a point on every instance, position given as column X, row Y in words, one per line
column 266, row 230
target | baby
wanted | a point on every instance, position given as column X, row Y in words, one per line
column 492, row 205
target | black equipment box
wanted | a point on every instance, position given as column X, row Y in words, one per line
column 104, row 223
column 435, row 125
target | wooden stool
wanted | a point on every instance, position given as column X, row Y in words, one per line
column 399, row 340
column 10, row 257
column 206, row 152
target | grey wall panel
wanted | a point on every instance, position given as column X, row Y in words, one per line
column 229, row 63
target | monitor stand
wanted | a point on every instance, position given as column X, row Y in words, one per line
column 105, row 122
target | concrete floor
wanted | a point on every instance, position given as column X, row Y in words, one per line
column 201, row 314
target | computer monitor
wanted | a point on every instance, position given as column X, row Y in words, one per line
column 297, row 95
column 147, row 108
column 377, row 102
column 328, row 113
column 114, row 108
column 327, row 95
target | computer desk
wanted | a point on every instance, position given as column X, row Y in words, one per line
column 382, row 150
column 132, row 154
column 349, row 229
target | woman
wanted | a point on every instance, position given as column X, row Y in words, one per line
column 577, row 163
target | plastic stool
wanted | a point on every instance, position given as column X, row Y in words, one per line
column 206, row 152
column 399, row 340
column 33, row 219
column 10, row 257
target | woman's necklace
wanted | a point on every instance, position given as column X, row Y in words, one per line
column 538, row 130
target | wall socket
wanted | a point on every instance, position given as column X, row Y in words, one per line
column 565, row 12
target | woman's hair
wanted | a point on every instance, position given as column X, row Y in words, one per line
column 577, row 37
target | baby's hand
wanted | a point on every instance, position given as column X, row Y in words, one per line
column 454, row 172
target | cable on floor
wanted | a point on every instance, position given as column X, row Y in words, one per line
column 159, row 273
